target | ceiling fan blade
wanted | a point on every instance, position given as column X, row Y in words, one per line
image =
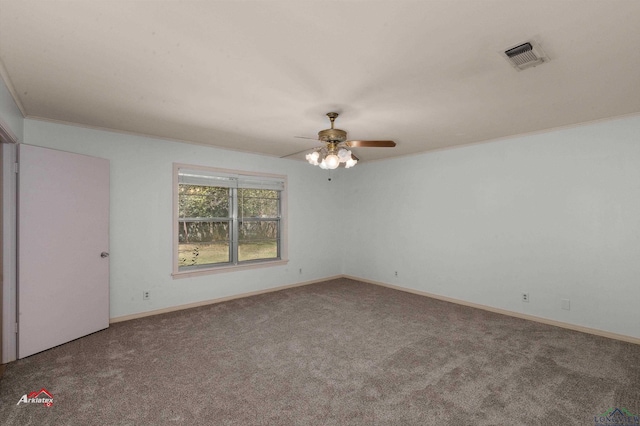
column 300, row 152
column 370, row 144
column 305, row 137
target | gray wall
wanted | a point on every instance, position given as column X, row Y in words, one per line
column 555, row 214
column 10, row 116
column 12, row 122
column 141, row 223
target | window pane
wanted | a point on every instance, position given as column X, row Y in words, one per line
column 259, row 203
column 203, row 201
column 203, row 243
column 258, row 230
column 258, row 193
column 254, row 250
column 258, row 240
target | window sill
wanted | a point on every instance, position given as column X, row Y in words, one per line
column 231, row 268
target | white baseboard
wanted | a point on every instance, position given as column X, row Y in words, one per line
column 213, row 301
column 555, row 323
column 547, row 321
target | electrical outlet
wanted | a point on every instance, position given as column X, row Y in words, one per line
column 566, row 304
column 300, row 272
column 396, row 273
column 525, row 297
column 146, row 295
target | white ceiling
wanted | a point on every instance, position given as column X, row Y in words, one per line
column 252, row 75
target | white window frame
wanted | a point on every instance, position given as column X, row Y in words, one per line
column 227, row 267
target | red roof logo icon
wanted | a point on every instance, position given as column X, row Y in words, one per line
column 40, row 392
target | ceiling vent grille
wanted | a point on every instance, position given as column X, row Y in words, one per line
column 525, row 55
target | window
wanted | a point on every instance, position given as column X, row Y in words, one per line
column 226, row 219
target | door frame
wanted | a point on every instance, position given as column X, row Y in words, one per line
column 1, row 247
column 7, row 270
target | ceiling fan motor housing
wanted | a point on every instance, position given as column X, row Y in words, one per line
column 332, row 135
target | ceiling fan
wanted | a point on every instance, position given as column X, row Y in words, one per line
column 335, row 150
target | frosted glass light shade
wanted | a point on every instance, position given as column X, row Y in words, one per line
column 350, row 163
column 312, row 158
column 344, row 155
column 332, row 161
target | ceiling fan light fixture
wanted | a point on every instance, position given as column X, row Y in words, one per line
column 335, row 151
column 350, row 163
column 344, row 155
column 332, row 161
column 313, row 157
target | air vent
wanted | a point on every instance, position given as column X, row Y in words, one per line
column 525, row 55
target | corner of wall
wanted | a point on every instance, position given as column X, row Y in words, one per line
column 9, row 343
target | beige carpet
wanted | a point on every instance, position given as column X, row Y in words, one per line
column 334, row 353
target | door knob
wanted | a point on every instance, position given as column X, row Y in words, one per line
column 104, row 254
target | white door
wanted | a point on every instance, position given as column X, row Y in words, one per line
column 63, row 245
